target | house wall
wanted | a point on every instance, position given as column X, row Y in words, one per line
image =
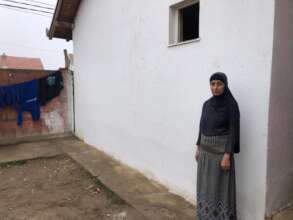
column 140, row 101
column 280, row 142
column 56, row 115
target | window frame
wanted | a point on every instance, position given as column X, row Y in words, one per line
column 174, row 23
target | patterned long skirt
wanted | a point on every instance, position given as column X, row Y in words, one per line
column 216, row 188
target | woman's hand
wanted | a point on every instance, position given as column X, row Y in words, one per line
column 197, row 153
column 225, row 163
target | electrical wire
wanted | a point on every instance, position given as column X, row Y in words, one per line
column 27, row 46
column 39, row 2
column 23, row 3
column 24, row 8
column 23, row 11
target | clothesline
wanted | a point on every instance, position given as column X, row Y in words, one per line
column 27, row 70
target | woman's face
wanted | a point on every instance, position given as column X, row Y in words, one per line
column 217, row 87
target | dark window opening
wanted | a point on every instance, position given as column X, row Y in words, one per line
column 189, row 22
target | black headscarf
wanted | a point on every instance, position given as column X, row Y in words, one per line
column 221, row 116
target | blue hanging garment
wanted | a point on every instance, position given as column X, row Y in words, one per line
column 27, row 100
column 2, row 95
column 27, row 96
column 8, row 96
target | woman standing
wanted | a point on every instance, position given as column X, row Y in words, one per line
column 217, row 142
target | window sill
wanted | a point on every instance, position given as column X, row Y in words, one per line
column 184, row 42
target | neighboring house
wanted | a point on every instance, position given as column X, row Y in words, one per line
column 141, row 76
column 20, row 62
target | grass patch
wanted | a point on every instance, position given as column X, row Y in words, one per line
column 12, row 163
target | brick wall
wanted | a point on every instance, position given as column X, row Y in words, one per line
column 56, row 115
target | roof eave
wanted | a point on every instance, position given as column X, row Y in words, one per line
column 52, row 26
column 64, row 28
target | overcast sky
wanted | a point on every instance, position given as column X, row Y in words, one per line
column 23, row 32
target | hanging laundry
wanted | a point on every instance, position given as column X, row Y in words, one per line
column 8, row 96
column 23, row 97
column 49, row 87
column 27, row 100
column 28, row 96
column 2, row 94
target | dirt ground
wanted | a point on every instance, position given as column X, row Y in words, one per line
column 57, row 189
column 286, row 214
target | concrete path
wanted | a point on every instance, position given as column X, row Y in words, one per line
column 150, row 198
column 28, row 151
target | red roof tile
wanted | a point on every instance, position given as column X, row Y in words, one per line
column 20, row 62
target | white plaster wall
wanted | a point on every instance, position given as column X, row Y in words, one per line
column 280, row 142
column 140, row 101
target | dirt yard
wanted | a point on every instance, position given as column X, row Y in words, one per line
column 57, row 189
